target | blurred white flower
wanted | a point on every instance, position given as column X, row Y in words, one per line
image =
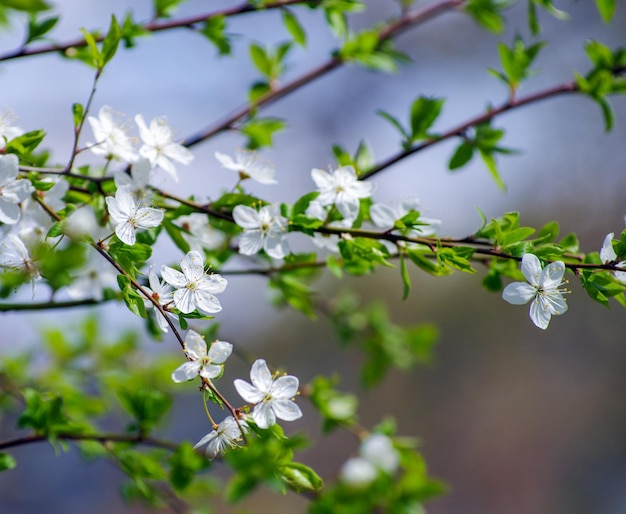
column 224, row 436
column 378, row 450
column 206, row 364
column 112, row 140
column 543, row 290
column 14, row 255
column 159, row 146
column 8, row 131
column 194, row 287
column 326, row 241
column 200, row 235
column 607, row 255
column 272, row 398
column 129, row 217
column 162, row 294
column 357, row 472
column 248, row 165
column 342, row 188
column 12, row 190
column 384, row 217
column 140, row 174
column 263, row 229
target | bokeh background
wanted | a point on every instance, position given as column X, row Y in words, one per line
column 514, row 419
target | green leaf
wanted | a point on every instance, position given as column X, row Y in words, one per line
column 261, row 59
column 133, row 300
column 606, row 9
column 146, row 406
column 165, row 8
column 37, row 29
column 93, row 52
column 490, row 162
column 424, row 112
column 301, row 478
column 111, row 41
column 260, row 131
column 25, row 144
column 294, row 27
column 461, row 156
column 487, row 13
column 30, row 6
column 533, row 21
column 78, row 112
column 214, row 29
column 184, row 464
column 406, row 279
column 6, row 461
column 406, row 138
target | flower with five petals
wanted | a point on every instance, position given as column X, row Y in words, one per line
column 195, row 289
column 207, row 364
column 225, row 435
column 272, row 397
column 543, row 290
column 129, row 216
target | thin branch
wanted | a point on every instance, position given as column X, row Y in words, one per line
column 394, row 28
column 102, row 438
column 459, row 130
column 154, row 26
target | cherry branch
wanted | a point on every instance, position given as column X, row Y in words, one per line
column 460, row 130
column 102, row 438
column 394, row 28
column 156, row 26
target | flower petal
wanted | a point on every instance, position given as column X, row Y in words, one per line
column 263, row 415
column 210, row 371
column 286, row 410
column 251, row 242
column 173, row 277
column 206, row 302
column 125, row 231
column 539, row 315
column 518, row 293
column 531, row 268
column 285, row 387
column 148, row 218
column 552, row 275
column 248, row 392
column 185, row 300
column 246, row 217
column 195, row 346
column 261, row 376
column 186, row 371
column 220, row 351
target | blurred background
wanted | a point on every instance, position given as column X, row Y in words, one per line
column 516, row 420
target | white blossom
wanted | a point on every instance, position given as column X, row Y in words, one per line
column 159, row 146
column 326, row 241
column 608, row 255
column 272, row 397
column 161, row 293
column 206, row 364
column 12, row 190
column 543, row 290
column 140, row 174
column 376, row 453
column 14, row 255
column 357, row 472
column 199, row 233
column 129, row 216
column 225, row 435
column 195, row 289
column 112, row 140
column 342, row 188
column 378, row 450
column 263, row 229
column 385, row 216
column 248, row 165
column 8, row 131
column 36, row 220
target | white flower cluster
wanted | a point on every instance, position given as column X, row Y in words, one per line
column 376, row 456
column 158, row 146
